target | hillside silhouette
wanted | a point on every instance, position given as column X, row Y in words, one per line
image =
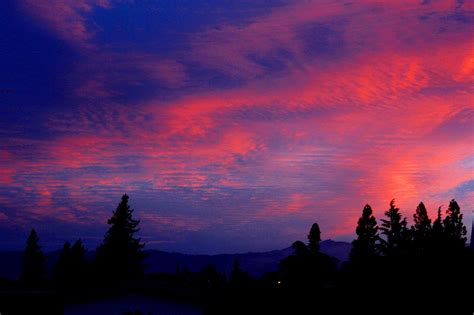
column 255, row 263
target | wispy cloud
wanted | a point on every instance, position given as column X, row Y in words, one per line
column 303, row 112
column 65, row 18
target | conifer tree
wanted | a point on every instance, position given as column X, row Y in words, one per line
column 437, row 239
column 422, row 229
column 364, row 247
column 307, row 266
column 120, row 256
column 395, row 231
column 422, row 221
column 236, row 268
column 438, row 228
column 454, row 229
column 34, row 271
column 314, row 238
column 61, row 270
column 72, row 267
column 238, row 277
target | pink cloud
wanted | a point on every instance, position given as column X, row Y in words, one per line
column 3, row 216
column 169, row 72
column 370, row 126
column 177, row 222
column 98, row 75
column 395, row 27
column 65, row 18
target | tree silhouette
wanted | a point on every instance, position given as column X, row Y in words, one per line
column 295, row 270
column 236, row 268
column 62, row 269
column 34, row 271
column 314, row 238
column 454, row 229
column 120, row 256
column 307, row 267
column 72, row 267
column 364, row 247
column 395, row 231
column 438, row 230
column 421, row 229
column 210, row 278
column 421, row 219
column 239, row 278
column 300, row 248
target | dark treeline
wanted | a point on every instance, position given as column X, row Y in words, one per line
column 119, row 258
column 393, row 268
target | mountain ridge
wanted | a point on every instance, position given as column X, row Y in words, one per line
column 255, row 263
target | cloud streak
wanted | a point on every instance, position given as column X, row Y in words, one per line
column 65, row 18
column 302, row 113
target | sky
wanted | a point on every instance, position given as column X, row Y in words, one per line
column 232, row 125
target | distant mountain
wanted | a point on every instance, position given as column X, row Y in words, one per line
column 159, row 261
column 255, row 263
column 336, row 249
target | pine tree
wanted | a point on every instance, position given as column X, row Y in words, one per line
column 72, row 267
column 314, row 238
column 34, row 271
column 437, row 239
column 61, row 270
column 395, row 231
column 438, row 229
column 120, row 256
column 78, row 254
column 307, row 267
column 454, row 229
column 422, row 221
column 364, row 247
column 238, row 277
column 422, row 229
column 236, row 268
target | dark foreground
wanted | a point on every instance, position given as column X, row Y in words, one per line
column 264, row 296
column 392, row 269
